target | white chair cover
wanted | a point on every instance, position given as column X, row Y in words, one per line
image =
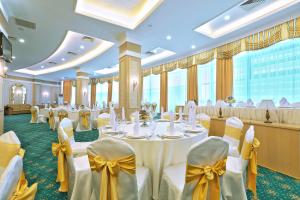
column 80, row 126
column 129, row 187
column 66, row 127
column 266, row 104
column 234, row 180
column 206, row 152
column 221, row 104
column 165, row 115
column 284, row 103
column 204, row 120
column 233, row 124
column 80, row 175
column 40, row 118
column 10, row 175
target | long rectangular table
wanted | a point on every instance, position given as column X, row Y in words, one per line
column 280, row 144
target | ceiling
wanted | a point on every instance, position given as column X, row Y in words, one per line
column 176, row 18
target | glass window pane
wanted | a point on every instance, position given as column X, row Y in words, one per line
column 151, row 89
column 115, row 92
column 101, row 93
column 177, row 88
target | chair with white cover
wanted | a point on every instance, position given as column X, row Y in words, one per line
column 12, row 178
column 206, row 161
column 35, row 115
column 103, row 120
column 73, row 173
column 84, row 123
column 66, row 127
column 204, row 120
column 232, row 134
column 113, row 161
column 53, row 121
column 266, row 104
column 237, row 178
column 165, row 116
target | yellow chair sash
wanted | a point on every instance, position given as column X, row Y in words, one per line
column 233, row 132
column 206, row 175
column 61, row 150
column 10, row 150
column 51, row 120
column 85, row 119
column 62, row 115
column 249, row 152
column 69, row 131
column 23, row 192
column 166, row 116
column 205, row 123
column 110, row 170
column 102, row 122
column 33, row 115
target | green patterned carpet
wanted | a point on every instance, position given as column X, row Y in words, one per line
column 40, row 165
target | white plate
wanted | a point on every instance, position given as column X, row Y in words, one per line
column 172, row 136
column 164, row 120
column 111, row 132
column 190, row 130
column 135, row 136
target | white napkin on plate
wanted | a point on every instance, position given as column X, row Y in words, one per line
column 136, row 126
column 113, row 119
column 172, row 128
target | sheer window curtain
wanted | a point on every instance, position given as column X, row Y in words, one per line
column 207, row 82
column 177, row 88
column 151, row 89
column 115, row 92
column 101, row 93
column 270, row 73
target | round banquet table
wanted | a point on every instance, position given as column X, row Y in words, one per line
column 155, row 152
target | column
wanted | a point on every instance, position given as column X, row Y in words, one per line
column 130, row 90
column 2, row 74
column 82, row 82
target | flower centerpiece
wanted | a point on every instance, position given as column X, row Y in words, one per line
column 230, row 100
column 144, row 116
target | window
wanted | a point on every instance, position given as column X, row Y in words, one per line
column 151, row 89
column 73, row 96
column 270, row 73
column 177, row 88
column 101, row 93
column 207, row 82
column 115, row 92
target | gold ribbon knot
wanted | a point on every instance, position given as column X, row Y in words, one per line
column 252, row 168
column 23, row 191
column 110, row 170
column 51, row 120
column 207, row 175
column 62, row 115
column 85, row 119
column 33, row 115
column 61, row 150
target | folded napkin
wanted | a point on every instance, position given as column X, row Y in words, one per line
column 136, row 126
column 172, row 128
column 113, row 119
column 180, row 114
column 284, row 103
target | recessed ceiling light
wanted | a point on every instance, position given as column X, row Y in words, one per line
column 63, row 59
column 81, row 47
column 13, row 57
column 42, row 66
column 21, row 40
column 227, row 17
column 193, row 46
column 169, row 37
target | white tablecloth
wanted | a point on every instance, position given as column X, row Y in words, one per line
column 278, row 115
column 156, row 153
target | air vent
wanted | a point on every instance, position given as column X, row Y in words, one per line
column 24, row 23
column 52, row 63
column 87, row 39
column 12, row 38
column 250, row 4
column 72, row 53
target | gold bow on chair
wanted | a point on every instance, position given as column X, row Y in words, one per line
column 61, row 150
column 51, row 120
column 205, row 123
column 102, row 122
column 62, row 115
column 110, row 170
column 85, row 119
column 23, row 192
column 33, row 115
column 252, row 167
column 205, row 175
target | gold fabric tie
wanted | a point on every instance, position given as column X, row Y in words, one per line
column 33, row 115
column 23, row 192
column 51, row 120
column 102, row 122
column 233, row 132
column 61, row 150
column 252, row 167
column 110, row 170
column 10, row 150
column 205, row 175
column 205, row 123
column 85, row 119
column 62, row 115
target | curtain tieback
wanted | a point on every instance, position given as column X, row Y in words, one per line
column 110, row 170
column 61, row 150
column 204, row 176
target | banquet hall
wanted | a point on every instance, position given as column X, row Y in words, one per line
column 149, row 100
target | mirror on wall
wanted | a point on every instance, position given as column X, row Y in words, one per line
column 18, row 94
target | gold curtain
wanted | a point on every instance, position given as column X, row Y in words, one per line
column 192, row 83
column 93, row 93
column 164, row 90
column 67, row 91
column 224, row 76
column 109, row 94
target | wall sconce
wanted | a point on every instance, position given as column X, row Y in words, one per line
column 134, row 83
column 45, row 94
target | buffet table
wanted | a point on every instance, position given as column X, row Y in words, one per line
column 156, row 152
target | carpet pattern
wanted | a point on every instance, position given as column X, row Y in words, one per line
column 40, row 164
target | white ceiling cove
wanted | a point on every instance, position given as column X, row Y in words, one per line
column 177, row 18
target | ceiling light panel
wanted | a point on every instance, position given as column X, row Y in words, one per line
column 237, row 17
column 128, row 14
column 66, row 50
